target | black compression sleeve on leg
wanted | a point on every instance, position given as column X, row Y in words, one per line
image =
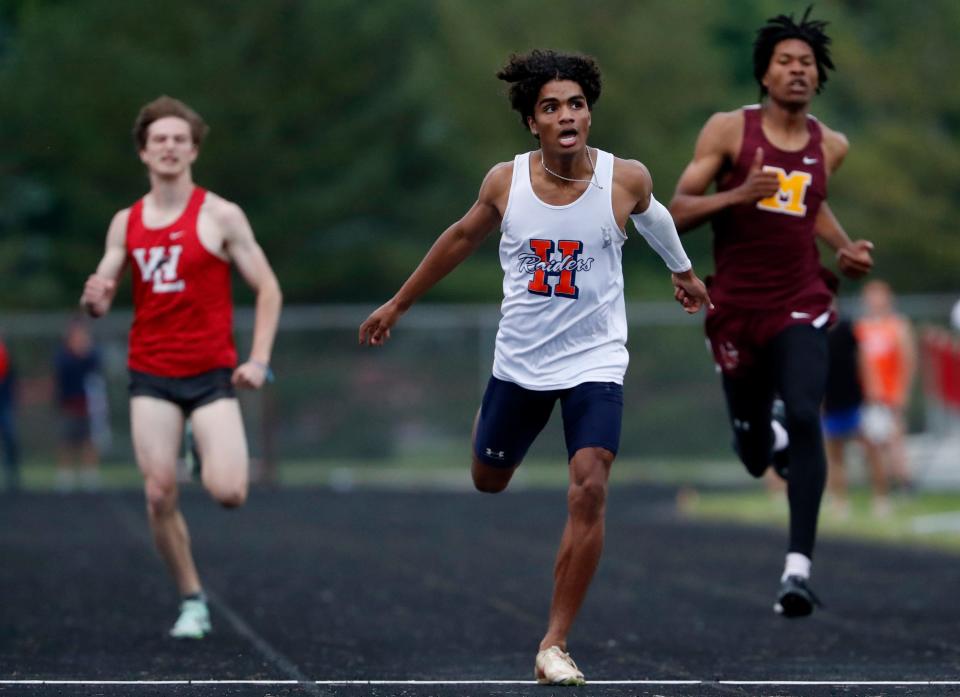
column 799, row 356
column 749, row 400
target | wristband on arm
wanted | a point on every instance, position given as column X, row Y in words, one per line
column 265, row 367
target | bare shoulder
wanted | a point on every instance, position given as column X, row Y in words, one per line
column 835, row 146
column 720, row 136
column 723, row 126
column 500, row 175
column 120, row 219
column 225, row 213
column 834, row 139
column 497, row 181
column 117, row 231
column 632, row 175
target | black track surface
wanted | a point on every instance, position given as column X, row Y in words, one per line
column 312, row 584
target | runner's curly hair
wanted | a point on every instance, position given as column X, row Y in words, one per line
column 167, row 106
column 783, row 27
column 528, row 72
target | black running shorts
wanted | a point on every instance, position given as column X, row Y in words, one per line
column 188, row 393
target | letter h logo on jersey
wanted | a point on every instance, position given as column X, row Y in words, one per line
column 159, row 264
column 542, row 267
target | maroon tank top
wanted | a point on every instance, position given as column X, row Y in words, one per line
column 765, row 253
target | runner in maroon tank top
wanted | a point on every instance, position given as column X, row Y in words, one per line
column 179, row 241
column 770, row 164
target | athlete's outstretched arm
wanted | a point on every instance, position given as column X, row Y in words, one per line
column 101, row 286
column 653, row 221
column 691, row 205
column 242, row 248
column 455, row 244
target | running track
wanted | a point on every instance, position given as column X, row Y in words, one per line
column 376, row 592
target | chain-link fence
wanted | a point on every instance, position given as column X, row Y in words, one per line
column 415, row 398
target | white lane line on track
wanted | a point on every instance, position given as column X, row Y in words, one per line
column 841, row 683
column 771, row 683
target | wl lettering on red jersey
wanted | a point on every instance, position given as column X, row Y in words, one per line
column 541, row 266
column 159, row 264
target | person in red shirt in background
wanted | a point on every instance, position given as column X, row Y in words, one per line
column 888, row 361
column 8, row 429
column 180, row 241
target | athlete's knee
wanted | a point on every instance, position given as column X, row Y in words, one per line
column 586, row 499
column 804, row 420
column 805, row 429
column 228, row 494
column 234, row 499
column 161, row 494
column 490, row 480
column 753, row 446
column 486, row 485
column 231, row 498
column 587, row 494
column 755, row 460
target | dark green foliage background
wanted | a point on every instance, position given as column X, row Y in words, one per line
column 353, row 133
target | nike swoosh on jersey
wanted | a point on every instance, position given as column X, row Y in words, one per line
column 800, row 315
column 809, row 160
column 175, row 235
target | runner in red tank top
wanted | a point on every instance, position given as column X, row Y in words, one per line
column 179, row 241
column 770, row 164
column 181, row 291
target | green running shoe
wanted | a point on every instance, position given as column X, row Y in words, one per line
column 194, row 620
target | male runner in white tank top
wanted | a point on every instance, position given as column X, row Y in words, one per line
column 562, row 211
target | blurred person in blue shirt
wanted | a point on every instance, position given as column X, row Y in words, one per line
column 81, row 402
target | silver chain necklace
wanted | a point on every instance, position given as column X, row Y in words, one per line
column 591, row 180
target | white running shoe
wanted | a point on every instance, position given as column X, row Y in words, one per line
column 555, row 667
column 194, row 621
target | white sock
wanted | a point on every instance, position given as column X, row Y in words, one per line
column 781, row 438
column 797, row 565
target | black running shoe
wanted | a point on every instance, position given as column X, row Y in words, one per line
column 796, row 599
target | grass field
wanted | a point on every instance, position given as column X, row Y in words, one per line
column 444, row 470
column 923, row 518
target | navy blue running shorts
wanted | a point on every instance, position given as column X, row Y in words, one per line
column 511, row 417
column 188, row 393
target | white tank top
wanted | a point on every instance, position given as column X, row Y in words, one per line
column 563, row 319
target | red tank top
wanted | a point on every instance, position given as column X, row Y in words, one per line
column 765, row 252
column 183, row 312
